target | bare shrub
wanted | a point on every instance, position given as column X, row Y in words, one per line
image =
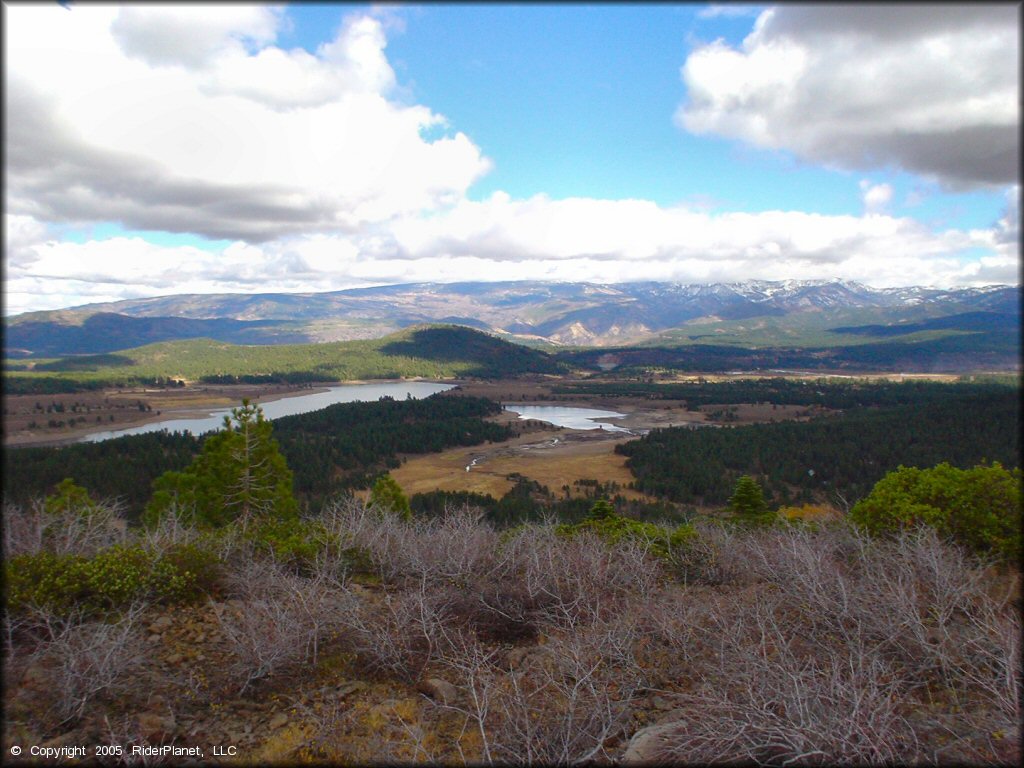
column 568, row 580
column 774, row 700
column 406, row 633
column 715, row 556
column 282, row 621
column 89, row 659
column 560, row 705
column 168, row 532
column 34, row 528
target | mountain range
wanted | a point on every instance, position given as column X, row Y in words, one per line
column 796, row 313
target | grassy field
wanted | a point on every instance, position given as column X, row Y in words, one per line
column 531, row 455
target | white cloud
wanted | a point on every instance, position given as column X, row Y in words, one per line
column 166, row 118
column 876, row 196
column 578, row 239
column 322, row 180
column 933, row 90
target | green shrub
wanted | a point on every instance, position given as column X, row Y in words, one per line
column 184, row 573
column 54, row 582
column 612, row 528
column 109, row 580
column 979, row 508
column 292, row 542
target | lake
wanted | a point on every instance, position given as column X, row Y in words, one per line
column 567, row 416
column 287, row 406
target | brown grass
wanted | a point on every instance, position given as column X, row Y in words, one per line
column 572, row 459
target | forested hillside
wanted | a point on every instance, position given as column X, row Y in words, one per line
column 843, row 454
column 834, row 392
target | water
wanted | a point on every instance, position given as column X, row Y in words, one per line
column 287, row 406
column 567, row 416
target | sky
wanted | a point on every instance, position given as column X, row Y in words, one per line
column 199, row 148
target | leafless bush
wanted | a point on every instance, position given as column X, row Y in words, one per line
column 560, row 704
column 715, row 556
column 406, row 633
column 282, row 621
column 169, row 531
column 568, row 580
column 89, row 659
column 34, row 528
column 456, row 546
column 775, row 700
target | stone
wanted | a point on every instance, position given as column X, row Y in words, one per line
column 652, row 745
column 161, row 625
column 277, row 721
column 175, row 658
column 438, row 689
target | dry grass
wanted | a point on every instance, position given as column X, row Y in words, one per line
column 529, row 456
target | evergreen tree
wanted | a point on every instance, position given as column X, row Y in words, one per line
column 387, row 494
column 239, row 475
column 747, row 501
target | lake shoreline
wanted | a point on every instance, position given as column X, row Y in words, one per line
column 194, row 402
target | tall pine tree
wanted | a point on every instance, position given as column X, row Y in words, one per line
column 240, row 475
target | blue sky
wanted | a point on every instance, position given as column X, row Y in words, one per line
column 318, row 147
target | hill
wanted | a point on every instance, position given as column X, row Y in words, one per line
column 439, row 351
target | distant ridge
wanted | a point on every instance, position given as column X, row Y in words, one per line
column 558, row 314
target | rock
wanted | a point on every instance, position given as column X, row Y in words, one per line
column 175, row 658
column 162, row 624
column 438, row 689
column 660, row 702
column 652, row 745
column 155, row 727
column 153, row 638
column 277, row 721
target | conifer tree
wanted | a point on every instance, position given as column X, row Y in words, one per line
column 387, row 494
column 747, row 501
column 239, row 475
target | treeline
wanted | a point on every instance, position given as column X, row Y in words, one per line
column 846, row 454
column 31, row 383
column 962, row 351
column 529, row 501
column 833, row 393
column 340, row 447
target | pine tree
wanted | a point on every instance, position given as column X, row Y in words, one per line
column 239, row 475
column 747, row 501
column 387, row 494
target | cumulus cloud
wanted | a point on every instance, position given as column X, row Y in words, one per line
column 190, row 119
column 933, row 90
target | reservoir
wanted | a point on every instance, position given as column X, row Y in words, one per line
column 568, row 417
column 287, row 406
